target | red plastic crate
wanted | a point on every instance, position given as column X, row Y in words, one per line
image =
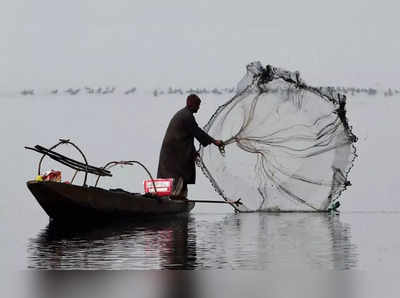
column 163, row 186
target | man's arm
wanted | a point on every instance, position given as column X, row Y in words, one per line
column 201, row 136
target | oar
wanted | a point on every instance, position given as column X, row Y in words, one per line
column 237, row 202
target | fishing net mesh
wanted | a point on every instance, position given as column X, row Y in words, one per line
column 288, row 146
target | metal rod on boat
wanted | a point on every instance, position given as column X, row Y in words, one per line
column 237, row 202
column 208, row 201
column 73, row 177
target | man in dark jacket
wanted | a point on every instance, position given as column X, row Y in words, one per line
column 178, row 154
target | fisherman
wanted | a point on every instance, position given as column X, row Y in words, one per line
column 178, row 154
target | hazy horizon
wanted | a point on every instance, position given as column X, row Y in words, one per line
column 153, row 44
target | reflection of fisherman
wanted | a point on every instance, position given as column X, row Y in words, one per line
column 178, row 154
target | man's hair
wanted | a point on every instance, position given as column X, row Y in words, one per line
column 192, row 99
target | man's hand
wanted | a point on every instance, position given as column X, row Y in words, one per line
column 221, row 146
column 218, row 143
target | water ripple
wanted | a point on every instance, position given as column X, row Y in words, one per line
column 200, row 241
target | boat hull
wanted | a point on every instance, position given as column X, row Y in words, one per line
column 62, row 201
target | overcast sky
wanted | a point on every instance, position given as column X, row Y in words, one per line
column 52, row 43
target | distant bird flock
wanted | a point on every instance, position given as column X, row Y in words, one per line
column 351, row 91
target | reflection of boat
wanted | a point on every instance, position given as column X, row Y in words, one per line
column 157, row 244
column 66, row 201
column 257, row 241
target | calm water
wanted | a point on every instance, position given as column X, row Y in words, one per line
column 201, row 241
column 212, row 237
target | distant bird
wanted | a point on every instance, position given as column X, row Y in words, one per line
column 132, row 90
column 89, row 90
column 76, row 91
column 27, row 92
column 216, row 91
column 109, row 90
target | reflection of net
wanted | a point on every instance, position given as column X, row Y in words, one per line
column 288, row 145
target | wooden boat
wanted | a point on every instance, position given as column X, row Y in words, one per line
column 64, row 201
column 70, row 202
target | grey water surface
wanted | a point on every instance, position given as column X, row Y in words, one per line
column 361, row 238
column 200, row 241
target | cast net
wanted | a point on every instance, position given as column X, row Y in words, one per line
column 288, row 145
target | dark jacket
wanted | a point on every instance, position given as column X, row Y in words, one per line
column 177, row 156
